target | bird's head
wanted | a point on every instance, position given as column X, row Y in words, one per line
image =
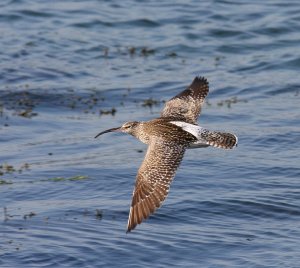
column 128, row 127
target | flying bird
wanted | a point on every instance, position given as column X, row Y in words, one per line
column 167, row 138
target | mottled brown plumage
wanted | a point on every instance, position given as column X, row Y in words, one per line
column 168, row 137
column 186, row 106
column 157, row 171
column 220, row 139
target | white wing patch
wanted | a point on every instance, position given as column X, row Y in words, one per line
column 193, row 129
column 196, row 131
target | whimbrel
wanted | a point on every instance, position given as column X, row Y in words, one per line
column 167, row 138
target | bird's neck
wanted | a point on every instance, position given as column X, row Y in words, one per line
column 141, row 133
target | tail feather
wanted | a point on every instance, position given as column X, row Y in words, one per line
column 221, row 139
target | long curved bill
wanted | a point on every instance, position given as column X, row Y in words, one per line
column 115, row 129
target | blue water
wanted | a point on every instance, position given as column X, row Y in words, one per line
column 64, row 196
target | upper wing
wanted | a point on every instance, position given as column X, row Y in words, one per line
column 153, row 179
column 186, row 106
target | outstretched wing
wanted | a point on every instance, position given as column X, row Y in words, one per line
column 186, row 106
column 153, row 179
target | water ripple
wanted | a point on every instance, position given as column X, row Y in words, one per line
column 70, row 69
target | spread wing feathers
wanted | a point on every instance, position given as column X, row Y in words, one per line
column 186, row 106
column 153, row 179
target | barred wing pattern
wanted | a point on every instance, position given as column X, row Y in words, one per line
column 186, row 106
column 153, row 179
column 219, row 139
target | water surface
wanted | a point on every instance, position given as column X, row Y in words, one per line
column 70, row 69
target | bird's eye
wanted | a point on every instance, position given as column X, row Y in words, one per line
column 127, row 126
